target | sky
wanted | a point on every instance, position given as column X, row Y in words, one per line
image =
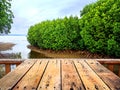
column 30, row 12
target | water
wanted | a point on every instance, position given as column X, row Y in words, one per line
column 20, row 49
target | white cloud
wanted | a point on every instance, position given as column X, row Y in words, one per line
column 29, row 12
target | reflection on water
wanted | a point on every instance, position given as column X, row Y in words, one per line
column 20, row 45
column 16, row 55
column 20, row 49
column 12, row 55
column 33, row 54
column 2, row 70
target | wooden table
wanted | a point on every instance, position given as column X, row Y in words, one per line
column 60, row 74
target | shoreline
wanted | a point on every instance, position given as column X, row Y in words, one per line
column 67, row 53
column 52, row 53
column 4, row 47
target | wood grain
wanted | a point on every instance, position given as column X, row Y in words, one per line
column 8, row 81
column 106, row 75
column 90, row 79
column 61, row 74
column 31, row 79
column 7, row 68
column 70, row 78
column 51, row 77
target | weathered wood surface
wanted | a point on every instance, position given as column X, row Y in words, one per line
column 10, row 80
column 111, row 64
column 70, row 78
column 51, row 77
column 89, row 77
column 109, row 61
column 112, row 80
column 31, row 80
column 60, row 74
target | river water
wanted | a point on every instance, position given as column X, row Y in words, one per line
column 20, row 48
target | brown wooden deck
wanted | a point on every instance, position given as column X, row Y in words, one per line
column 60, row 74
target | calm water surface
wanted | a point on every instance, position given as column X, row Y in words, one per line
column 20, row 47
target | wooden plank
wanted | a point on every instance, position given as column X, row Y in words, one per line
column 8, row 81
column 7, row 68
column 11, row 61
column 109, row 61
column 111, row 68
column 112, row 80
column 31, row 80
column 17, row 64
column 90, row 79
column 119, row 72
column 70, row 78
column 51, row 77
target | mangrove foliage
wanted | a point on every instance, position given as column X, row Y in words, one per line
column 97, row 30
